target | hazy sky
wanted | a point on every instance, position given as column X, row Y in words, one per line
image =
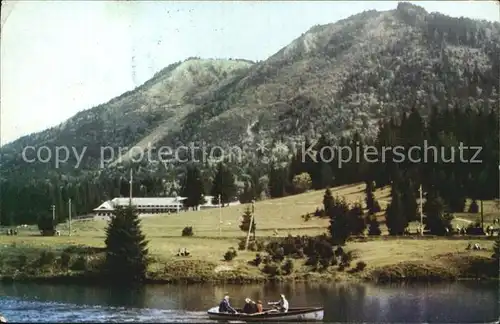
column 58, row 58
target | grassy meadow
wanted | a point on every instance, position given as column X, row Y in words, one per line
column 283, row 215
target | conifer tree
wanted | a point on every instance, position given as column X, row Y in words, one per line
column 408, row 199
column 373, row 226
column 192, row 187
column 339, row 221
column 245, row 222
column 277, row 181
column 328, row 202
column 436, row 220
column 395, row 219
column 126, row 247
column 223, row 185
column 371, row 204
column 357, row 224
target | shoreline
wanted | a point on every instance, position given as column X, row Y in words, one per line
column 470, row 269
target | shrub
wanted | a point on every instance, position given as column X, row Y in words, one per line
column 346, row 258
column 256, row 246
column 22, row 261
column 302, row 182
column 287, row 267
column 65, row 259
column 80, row 264
column 187, row 231
column 257, row 261
column 253, row 245
column 267, row 260
column 46, row 258
column 272, row 269
column 230, row 254
column 319, row 213
column 360, row 266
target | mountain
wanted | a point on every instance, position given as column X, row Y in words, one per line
column 335, row 78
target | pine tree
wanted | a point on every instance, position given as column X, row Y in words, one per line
column 408, row 199
column 328, row 202
column 192, row 187
column 277, row 181
column 245, row 222
column 339, row 222
column 223, row 185
column 371, row 204
column 247, row 195
column 357, row 223
column 395, row 219
column 126, row 247
column 436, row 220
column 373, row 226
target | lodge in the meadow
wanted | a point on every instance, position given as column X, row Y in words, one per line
column 151, row 205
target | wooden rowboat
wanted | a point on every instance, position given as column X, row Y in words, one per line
column 302, row 314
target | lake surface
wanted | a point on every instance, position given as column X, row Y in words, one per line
column 443, row 303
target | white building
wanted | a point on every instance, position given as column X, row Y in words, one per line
column 154, row 205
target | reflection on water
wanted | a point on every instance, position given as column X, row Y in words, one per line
column 459, row 302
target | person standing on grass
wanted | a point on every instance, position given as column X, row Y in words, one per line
column 225, row 307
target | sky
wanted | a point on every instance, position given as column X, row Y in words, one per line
column 61, row 57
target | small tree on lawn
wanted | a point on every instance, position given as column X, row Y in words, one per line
column 395, row 219
column 46, row 225
column 328, row 202
column 339, row 222
column 437, row 220
column 302, row 182
column 245, row 222
column 357, row 223
column 373, row 226
column 126, row 247
column 371, row 204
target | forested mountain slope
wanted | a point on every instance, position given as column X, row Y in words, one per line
column 335, row 79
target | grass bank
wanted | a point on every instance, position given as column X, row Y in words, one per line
column 77, row 258
column 385, row 259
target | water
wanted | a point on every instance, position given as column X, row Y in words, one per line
column 444, row 303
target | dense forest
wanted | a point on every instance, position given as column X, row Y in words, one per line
column 444, row 170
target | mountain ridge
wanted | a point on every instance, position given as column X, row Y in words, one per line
column 335, row 78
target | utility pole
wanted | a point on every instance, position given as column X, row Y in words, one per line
column 130, row 185
column 220, row 216
column 53, row 213
column 421, row 212
column 482, row 215
column 250, row 226
column 69, row 215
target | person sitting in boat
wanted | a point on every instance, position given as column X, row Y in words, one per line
column 282, row 304
column 250, row 307
column 225, row 307
column 259, row 306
